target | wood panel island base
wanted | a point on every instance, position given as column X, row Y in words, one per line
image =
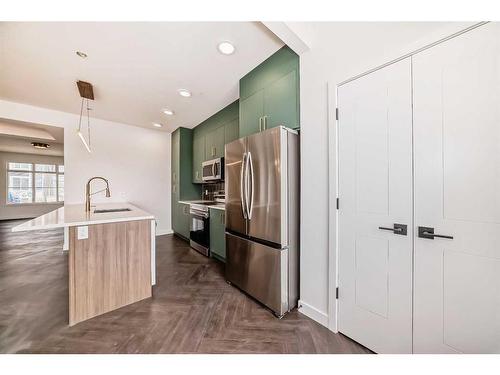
column 109, row 269
column 111, row 256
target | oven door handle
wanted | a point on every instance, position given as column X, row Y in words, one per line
column 242, row 186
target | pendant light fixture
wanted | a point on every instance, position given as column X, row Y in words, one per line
column 87, row 93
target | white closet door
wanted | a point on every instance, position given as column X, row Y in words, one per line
column 375, row 185
column 457, row 192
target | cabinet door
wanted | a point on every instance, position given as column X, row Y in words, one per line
column 217, row 235
column 281, row 102
column 198, row 157
column 214, row 144
column 175, row 217
column 231, row 131
column 184, row 219
column 175, row 178
column 251, row 110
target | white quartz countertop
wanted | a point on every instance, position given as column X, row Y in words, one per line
column 218, row 206
column 74, row 215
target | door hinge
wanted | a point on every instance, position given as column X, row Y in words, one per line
column 336, row 114
column 337, row 293
column 337, row 203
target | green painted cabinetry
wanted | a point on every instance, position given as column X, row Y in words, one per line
column 184, row 219
column 231, row 131
column 269, row 94
column 217, row 234
column 182, row 187
column 210, row 137
column 251, row 112
column 198, row 157
column 281, row 103
column 214, row 143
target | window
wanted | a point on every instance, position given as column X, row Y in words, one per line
column 34, row 183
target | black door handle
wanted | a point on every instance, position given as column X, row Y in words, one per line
column 401, row 229
column 428, row 232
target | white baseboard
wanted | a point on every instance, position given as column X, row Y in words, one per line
column 313, row 313
column 161, row 232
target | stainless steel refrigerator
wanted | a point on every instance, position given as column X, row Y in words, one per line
column 262, row 217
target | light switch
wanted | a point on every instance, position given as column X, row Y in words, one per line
column 83, row 232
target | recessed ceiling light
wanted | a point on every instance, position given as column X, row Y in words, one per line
column 185, row 93
column 155, row 124
column 168, row 112
column 226, row 48
column 83, row 55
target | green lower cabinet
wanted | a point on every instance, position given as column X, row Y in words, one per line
column 217, row 234
column 184, row 218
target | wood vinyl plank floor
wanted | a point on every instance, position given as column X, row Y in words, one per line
column 193, row 309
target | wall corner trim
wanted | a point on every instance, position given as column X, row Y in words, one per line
column 161, row 232
column 313, row 313
column 288, row 36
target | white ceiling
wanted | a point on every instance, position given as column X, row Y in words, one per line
column 136, row 67
column 16, row 136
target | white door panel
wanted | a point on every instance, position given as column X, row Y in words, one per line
column 457, row 192
column 375, row 189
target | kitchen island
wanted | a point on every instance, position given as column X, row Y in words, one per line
column 111, row 255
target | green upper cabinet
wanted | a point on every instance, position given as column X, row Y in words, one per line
column 281, row 103
column 269, row 94
column 214, row 143
column 231, row 131
column 198, row 157
column 210, row 137
column 251, row 112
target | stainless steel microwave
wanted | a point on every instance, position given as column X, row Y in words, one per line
column 212, row 170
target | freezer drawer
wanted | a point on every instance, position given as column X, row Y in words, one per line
column 259, row 270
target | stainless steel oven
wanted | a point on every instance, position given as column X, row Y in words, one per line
column 199, row 228
column 212, row 170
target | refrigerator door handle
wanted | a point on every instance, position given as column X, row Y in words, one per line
column 247, row 164
column 250, row 162
column 242, row 186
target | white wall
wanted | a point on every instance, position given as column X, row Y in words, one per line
column 28, row 210
column 136, row 161
column 337, row 51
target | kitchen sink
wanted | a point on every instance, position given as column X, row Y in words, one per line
column 103, row 211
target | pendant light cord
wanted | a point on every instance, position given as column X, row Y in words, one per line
column 81, row 113
column 88, row 121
